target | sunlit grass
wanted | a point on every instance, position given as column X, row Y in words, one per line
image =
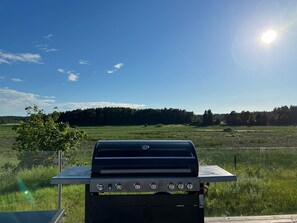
column 46, row 199
column 258, row 191
column 28, row 179
column 267, row 176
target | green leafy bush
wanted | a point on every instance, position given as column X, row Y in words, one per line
column 42, row 133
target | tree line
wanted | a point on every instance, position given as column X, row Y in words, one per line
column 279, row 116
column 11, row 119
column 127, row 116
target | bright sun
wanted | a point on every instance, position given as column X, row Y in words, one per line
column 269, row 36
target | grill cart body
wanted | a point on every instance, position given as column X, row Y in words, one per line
column 149, row 181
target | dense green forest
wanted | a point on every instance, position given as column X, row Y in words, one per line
column 280, row 116
column 126, row 116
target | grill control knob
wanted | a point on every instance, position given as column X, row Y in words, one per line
column 171, row 186
column 180, row 186
column 153, row 186
column 190, row 186
column 100, row 187
column 118, row 186
column 137, row 186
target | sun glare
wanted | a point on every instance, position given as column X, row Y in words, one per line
column 269, row 36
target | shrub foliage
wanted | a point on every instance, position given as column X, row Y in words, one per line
column 40, row 136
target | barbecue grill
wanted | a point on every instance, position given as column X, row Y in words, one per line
column 144, row 181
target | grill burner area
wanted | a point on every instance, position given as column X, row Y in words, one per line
column 149, row 181
column 144, row 166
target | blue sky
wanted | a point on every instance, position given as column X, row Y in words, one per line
column 192, row 54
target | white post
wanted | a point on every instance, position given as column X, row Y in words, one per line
column 60, row 185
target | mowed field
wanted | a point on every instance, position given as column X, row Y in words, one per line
column 266, row 166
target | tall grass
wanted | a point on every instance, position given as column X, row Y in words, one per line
column 258, row 191
column 267, row 176
column 267, row 184
column 28, row 179
column 46, row 199
column 203, row 137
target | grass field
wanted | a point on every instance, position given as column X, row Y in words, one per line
column 202, row 137
column 266, row 168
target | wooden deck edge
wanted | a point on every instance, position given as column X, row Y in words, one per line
column 254, row 219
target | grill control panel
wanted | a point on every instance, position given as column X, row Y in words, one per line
column 135, row 184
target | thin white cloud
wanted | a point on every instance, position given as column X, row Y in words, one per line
column 61, row 70
column 46, row 48
column 49, row 97
column 49, row 36
column 84, row 62
column 51, row 50
column 16, row 79
column 10, row 58
column 49, row 100
column 3, row 61
column 13, row 102
column 2, row 77
column 116, row 67
column 73, row 76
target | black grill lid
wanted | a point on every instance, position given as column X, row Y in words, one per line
column 144, row 157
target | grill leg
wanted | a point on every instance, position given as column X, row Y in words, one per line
column 87, row 204
column 201, row 204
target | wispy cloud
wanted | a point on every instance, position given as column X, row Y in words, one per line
column 49, row 36
column 118, row 66
column 72, row 75
column 115, row 68
column 16, row 79
column 13, row 102
column 51, row 50
column 61, row 70
column 10, row 58
column 2, row 77
column 84, row 62
column 3, row 61
column 49, row 97
column 46, row 48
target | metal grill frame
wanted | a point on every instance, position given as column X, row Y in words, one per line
column 158, row 208
column 148, row 208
